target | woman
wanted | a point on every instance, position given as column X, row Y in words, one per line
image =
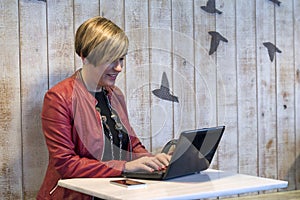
column 85, row 119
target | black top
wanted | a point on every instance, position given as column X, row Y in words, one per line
column 117, row 135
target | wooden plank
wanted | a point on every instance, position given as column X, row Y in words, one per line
column 60, row 40
column 137, row 68
column 10, row 117
column 113, row 10
column 206, row 69
column 266, row 91
column 160, row 47
column 285, row 93
column 183, row 65
column 205, row 66
column 34, row 83
column 246, row 87
column 108, row 9
column 82, row 12
column 227, row 87
column 297, row 89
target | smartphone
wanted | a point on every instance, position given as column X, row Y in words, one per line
column 128, row 183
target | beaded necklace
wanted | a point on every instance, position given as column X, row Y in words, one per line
column 114, row 116
column 118, row 126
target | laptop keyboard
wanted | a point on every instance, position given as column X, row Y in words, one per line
column 158, row 171
column 156, row 174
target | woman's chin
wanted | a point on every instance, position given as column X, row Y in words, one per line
column 107, row 84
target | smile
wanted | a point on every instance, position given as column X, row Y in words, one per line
column 112, row 75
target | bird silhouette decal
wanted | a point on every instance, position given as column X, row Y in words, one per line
column 276, row 2
column 215, row 41
column 164, row 92
column 211, row 7
column 272, row 49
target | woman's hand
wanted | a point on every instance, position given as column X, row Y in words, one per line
column 147, row 163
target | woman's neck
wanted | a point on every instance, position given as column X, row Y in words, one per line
column 88, row 78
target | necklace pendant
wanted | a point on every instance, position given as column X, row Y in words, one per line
column 104, row 119
column 120, row 135
column 113, row 116
column 118, row 126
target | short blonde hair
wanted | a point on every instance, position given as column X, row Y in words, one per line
column 100, row 41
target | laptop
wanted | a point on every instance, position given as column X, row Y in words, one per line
column 193, row 153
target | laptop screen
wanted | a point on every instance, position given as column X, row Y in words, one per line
column 194, row 151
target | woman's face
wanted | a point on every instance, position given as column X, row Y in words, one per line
column 109, row 73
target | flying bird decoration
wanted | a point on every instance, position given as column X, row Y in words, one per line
column 215, row 41
column 272, row 49
column 164, row 91
column 276, row 2
column 211, row 7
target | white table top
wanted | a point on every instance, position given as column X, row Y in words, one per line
column 207, row 184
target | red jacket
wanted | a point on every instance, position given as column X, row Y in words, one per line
column 74, row 137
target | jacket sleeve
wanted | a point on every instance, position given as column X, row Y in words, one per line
column 64, row 155
column 138, row 149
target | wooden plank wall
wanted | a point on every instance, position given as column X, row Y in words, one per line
column 238, row 85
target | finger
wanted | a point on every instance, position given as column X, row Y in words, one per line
column 147, row 168
column 146, row 163
column 164, row 159
column 149, row 164
column 154, row 163
column 158, row 164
